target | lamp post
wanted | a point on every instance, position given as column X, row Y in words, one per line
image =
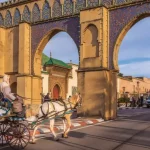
column 138, row 89
column 124, row 94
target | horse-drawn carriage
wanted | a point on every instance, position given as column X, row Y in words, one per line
column 15, row 129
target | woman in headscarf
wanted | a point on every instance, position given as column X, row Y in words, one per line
column 5, row 88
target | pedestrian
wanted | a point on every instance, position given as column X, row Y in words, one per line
column 130, row 101
column 141, row 99
column 47, row 97
column 133, row 101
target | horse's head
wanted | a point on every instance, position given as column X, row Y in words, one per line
column 76, row 100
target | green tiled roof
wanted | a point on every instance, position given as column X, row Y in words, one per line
column 51, row 61
column 45, row 59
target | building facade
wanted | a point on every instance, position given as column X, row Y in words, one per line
column 59, row 78
column 132, row 86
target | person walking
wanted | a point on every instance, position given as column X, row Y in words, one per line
column 141, row 99
column 130, row 101
column 47, row 97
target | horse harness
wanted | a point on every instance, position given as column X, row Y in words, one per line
column 54, row 111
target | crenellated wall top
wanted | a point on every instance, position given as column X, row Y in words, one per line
column 111, row 3
column 12, row 12
column 12, row 3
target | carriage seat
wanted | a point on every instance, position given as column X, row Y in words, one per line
column 4, row 101
column 16, row 106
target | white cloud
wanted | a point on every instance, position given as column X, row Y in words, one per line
column 136, row 69
column 135, row 52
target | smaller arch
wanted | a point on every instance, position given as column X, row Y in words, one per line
column 38, row 53
column 1, row 20
column 46, row 11
column 26, row 16
column 36, row 13
column 8, row 19
column 17, row 17
column 90, row 41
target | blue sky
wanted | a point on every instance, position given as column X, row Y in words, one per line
column 134, row 53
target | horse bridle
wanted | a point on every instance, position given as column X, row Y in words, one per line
column 78, row 104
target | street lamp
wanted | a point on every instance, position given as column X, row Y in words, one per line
column 138, row 89
column 124, row 94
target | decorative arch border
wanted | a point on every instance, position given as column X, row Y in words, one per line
column 86, row 27
column 24, row 15
column 18, row 19
column 10, row 23
column 70, row 25
column 90, row 24
column 33, row 19
column 119, row 19
column 121, row 37
column 77, row 5
column 1, row 20
column 49, row 9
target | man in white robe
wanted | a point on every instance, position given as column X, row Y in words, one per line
column 6, row 90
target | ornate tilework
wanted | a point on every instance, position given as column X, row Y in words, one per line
column 80, row 4
column 1, row 20
column 8, row 19
column 57, row 9
column 119, row 2
column 92, row 3
column 26, row 14
column 68, row 7
column 70, row 25
column 121, row 17
column 106, row 2
column 16, row 17
column 36, row 13
column 46, row 11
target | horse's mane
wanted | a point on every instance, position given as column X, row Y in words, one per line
column 73, row 99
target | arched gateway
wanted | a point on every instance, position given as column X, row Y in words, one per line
column 96, row 26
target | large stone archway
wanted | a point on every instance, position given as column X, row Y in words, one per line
column 97, row 28
column 39, row 41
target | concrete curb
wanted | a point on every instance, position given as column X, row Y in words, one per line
column 75, row 124
column 122, row 108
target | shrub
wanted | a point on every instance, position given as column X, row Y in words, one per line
column 123, row 100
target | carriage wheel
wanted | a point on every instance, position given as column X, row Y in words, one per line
column 19, row 136
column 3, row 129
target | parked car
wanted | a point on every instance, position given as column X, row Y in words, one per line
column 148, row 103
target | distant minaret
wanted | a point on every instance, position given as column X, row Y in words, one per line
column 50, row 54
column 70, row 61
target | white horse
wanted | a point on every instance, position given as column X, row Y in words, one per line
column 57, row 109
